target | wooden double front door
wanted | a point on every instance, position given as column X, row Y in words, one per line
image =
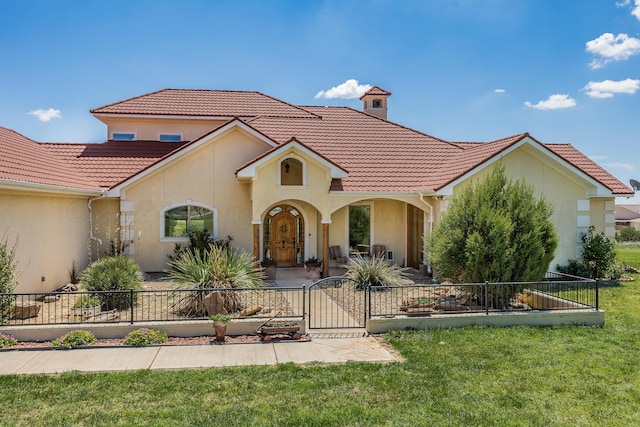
column 284, row 236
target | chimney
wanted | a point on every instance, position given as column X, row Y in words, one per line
column 374, row 102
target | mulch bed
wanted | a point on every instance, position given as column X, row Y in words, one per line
column 172, row 341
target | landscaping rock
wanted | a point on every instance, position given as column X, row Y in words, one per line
column 214, row 304
column 69, row 287
column 26, row 309
column 250, row 311
column 49, row 298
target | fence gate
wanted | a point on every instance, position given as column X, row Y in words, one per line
column 337, row 303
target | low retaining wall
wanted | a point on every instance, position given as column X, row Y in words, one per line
column 187, row 328
column 379, row 325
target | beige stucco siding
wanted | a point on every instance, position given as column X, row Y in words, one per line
column 149, row 129
column 51, row 231
column 204, row 175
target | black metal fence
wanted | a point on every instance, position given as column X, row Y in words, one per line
column 134, row 306
column 555, row 292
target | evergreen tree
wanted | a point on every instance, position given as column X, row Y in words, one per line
column 495, row 230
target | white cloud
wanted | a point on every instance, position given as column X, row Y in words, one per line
column 500, row 90
column 46, row 115
column 635, row 9
column 607, row 88
column 347, row 90
column 554, row 102
column 613, row 48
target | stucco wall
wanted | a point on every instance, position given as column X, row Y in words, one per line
column 149, row 129
column 51, row 231
column 204, row 175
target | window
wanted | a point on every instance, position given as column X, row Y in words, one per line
column 124, row 136
column 178, row 219
column 170, row 137
column 376, row 103
column 359, row 229
column 291, row 172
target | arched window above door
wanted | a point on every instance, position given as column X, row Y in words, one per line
column 292, row 172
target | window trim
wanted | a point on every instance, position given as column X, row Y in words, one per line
column 161, row 134
column 304, row 171
column 174, row 205
column 113, row 136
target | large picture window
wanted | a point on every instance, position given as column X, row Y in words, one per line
column 177, row 221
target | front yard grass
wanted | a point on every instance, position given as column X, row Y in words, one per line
column 573, row 376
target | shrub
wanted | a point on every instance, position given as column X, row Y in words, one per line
column 574, row 268
column 495, row 230
column 114, row 273
column 7, row 340
column 218, row 267
column 628, row 234
column 8, row 278
column 74, row 339
column 200, row 241
column 87, row 301
column 598, row 254
column 375, row 272
column 145, row 336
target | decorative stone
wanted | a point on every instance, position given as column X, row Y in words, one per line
column 26, row 309
column 69, row 287
column 250, row 311
column 214, row 304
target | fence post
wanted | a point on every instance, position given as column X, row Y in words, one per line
column 304, row 302
column 131, row 302
column 597, row 288
column 486, row 297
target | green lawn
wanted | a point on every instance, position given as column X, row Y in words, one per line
column 573, row 376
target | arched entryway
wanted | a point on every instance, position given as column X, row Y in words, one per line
column 283, row 235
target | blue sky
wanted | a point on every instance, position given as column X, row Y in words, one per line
column 461, row 70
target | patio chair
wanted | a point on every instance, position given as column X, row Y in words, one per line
column 379, row 251
column 335, row 252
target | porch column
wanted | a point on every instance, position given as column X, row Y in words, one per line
column 325, row 248
column 256, row 239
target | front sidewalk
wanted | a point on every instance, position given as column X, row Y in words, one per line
column 366, row 349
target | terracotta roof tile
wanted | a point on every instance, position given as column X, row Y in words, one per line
column 375, row 90
column 588, row 166
column 24, row 160
column 113, row 161
column 217, row 103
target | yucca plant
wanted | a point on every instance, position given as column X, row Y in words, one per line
column 216, row 268
column 113, row 273
column 375, row 272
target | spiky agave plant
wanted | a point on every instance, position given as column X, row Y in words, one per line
column 375, row 272
column 216, row 268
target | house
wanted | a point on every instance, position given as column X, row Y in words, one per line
column 627, row 216
column 286, row 182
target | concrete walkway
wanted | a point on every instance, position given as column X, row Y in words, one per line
column 365, row 349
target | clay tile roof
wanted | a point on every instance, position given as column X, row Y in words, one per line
column 24, row 160
column 216, row 103
column 375, row 90
column 113, row 161
column 588, row 166
column 379, row 155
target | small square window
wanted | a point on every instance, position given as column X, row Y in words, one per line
column 168, row 137
column 124, row 136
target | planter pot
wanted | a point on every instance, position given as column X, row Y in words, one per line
column 270, row 272
column 417, row 306
column 220, row 329
column 314, row 270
